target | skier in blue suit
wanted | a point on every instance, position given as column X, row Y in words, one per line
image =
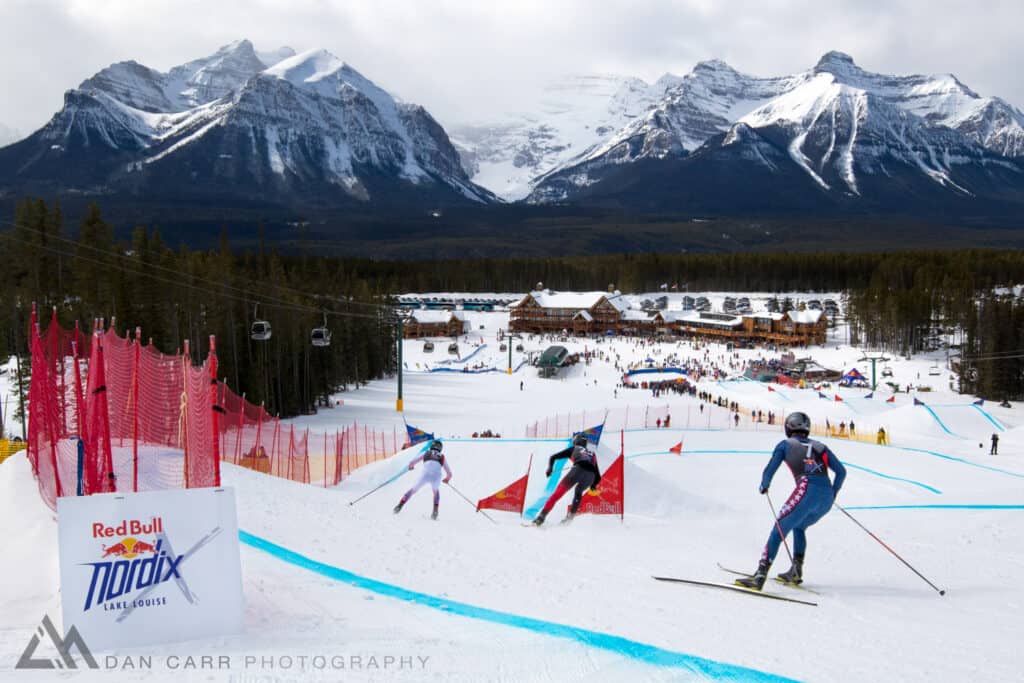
column 809, row 461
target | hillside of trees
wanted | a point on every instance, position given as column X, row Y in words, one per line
column 900, row 302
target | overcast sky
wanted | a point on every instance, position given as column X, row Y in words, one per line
column 470, row 60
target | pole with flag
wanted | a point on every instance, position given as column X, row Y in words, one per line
column 512, row 498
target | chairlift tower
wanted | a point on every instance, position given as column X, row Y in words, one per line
column 874, row 360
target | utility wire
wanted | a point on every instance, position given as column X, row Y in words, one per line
column 119, row 255
column 275, row 303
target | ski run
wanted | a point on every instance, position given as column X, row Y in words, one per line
column 463, row 598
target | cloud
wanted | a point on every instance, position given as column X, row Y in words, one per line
column 468, row 60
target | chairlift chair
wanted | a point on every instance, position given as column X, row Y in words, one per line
column 428, row 347
column 453, row 348
column 260, row 330
column 321, row 336
column 887, row 372
column 934, row 370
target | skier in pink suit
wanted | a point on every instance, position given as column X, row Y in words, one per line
column 433, row 461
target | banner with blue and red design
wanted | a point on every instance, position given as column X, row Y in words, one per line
column 593, row 434
column 417, row 435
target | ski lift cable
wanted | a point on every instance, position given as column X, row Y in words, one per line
column 274, row 302
column 171, row 271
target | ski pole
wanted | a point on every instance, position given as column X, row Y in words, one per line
column 470, row 502
column 374, row 490
column 883, row 544
column 778, row 526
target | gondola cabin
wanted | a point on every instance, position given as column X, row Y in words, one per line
column 320, row 336
column 260, row 330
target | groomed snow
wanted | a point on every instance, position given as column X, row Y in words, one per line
column 875, row 620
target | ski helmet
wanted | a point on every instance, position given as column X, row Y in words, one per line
column 436, row 445
column 798, row 422
column 580, row 440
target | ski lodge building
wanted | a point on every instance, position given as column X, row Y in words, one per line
column 582, row 313
column 542, row 311
column 429, row 323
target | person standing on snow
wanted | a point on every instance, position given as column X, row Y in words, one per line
column 995, row 445
column 809, row 461
column 583, row 475
column 433, row 461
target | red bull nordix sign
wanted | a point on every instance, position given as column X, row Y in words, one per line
column 154, row 567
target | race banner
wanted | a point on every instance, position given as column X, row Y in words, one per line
column 512, row 498
column 417, row 435
column 608, row 499
column 150, row 568
column 593, row 434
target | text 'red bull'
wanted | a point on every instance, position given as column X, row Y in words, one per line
column 128, row 527
column 114, row 579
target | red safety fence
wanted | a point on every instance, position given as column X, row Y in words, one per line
column 109, row 414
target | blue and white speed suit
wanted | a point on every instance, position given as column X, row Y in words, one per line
column 809, row 461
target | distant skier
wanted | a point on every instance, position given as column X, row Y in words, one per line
column 433, row 461
column 995, row 445
column 809, row 461
column 583, row 475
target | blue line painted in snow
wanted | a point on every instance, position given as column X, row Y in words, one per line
column 501, row 440
column 939, row 420
column 845, row 462
column 981, row 506
column 988, row 417
column 640, row 455
column 894, row 478
column 960, row 460
column 642, row 652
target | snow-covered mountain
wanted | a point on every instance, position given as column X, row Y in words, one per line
column 571, row 116
column 265, row 126
column 836, row 123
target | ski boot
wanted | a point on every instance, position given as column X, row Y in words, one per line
column 398, row 508
column 795, row 575
column 756, row 580
column 568, row 518
column 433, row 515
column 539, row 519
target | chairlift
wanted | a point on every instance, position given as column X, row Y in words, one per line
column 886, row 371
column 321, row 336
column 503, row 347
column 934, row 370
column 453, row 349
column 428, row 347
column 260, row 330
column 519, row 347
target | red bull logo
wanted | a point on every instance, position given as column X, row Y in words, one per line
column 128, row 527
column 128, row 548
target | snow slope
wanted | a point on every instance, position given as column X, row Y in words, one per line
column 488, row 601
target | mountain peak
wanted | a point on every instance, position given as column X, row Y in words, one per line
column 309, row 66
column 835, row 60
column 716, row 64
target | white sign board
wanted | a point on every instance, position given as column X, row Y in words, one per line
column 147, row 568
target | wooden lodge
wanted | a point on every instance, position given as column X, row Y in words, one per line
column 586, row 313
column 424, row 323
